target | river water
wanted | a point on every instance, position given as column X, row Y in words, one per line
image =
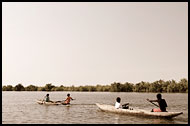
column 21, row 108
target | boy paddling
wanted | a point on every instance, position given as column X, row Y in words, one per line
column 67, row 101
column 162, row 104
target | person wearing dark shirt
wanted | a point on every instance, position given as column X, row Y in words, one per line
column 47, row 99
column 162, row 104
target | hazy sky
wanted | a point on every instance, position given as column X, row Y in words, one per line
column 93, row 43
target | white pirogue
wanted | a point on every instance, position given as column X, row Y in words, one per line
column 47, row 103
column 51, row 103
column 111, row 108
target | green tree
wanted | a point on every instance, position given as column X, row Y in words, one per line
column 128, row 87
column 183, row 85
column 41, row 89
column 84, row 88
column 72, row 88
column 31, row 88
column 115, row 87
column 141, row 87
column 4, row 88
column 48, row 87
column 173, row 87
column 137, row 87
column 7, row 88
column 92, row 88
column 77, row 89
column 59, row 88
column 54, row 88
column 99, row 87
column 19, row 87
column 106, row 88
column 155, row 87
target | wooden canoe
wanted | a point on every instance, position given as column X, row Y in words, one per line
column 141, row 112
column 51, row 103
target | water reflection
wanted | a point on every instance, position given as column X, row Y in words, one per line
column 162, row 121
column 67, row 108
column 116, row 119
column 46, row 113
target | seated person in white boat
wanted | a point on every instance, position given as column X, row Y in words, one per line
column 47, row 99
column 117, row 104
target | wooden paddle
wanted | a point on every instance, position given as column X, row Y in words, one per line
column 152, row 103
column 62, row 102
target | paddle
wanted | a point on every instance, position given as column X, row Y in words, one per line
column 62, row 102
column 152, row 103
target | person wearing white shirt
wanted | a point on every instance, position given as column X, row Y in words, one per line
column 117, row 103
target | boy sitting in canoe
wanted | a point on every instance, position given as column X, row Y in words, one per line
column 47, row 99
column 117, row 104
column 162, row 104
column 67, row 101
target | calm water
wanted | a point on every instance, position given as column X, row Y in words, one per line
column 21, row 108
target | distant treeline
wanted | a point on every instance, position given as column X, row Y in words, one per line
column 157, row 86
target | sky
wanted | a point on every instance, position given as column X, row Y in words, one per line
column 73, row 43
